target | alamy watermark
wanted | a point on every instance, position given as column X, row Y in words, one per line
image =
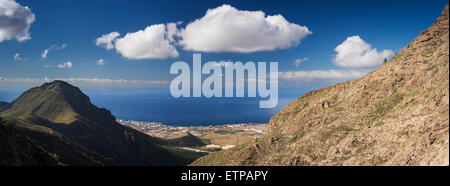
column 212, row 85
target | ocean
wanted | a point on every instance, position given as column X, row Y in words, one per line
column 157, row 105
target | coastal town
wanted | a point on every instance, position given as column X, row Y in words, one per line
column 219, row 136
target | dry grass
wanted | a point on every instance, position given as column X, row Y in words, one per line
column 227, row 139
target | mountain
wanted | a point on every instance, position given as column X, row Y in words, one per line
column 58, row 102
column 27, row 144
column 395, row 115
column 17, row 149
column 64, row 109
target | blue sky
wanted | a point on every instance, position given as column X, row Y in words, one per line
column 384, row 25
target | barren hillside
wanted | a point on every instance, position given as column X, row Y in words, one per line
column 396, row 115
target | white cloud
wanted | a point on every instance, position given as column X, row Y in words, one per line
column 154, row 42
column 298, row 61
column 150, row 43
column 355, row 52
column 227, row 29
column 172, row 31
column 15, row 21
column 322, row 75
column 107, row 40
column 44, row 54
column 223, row 29
column 67, row 64
column 85, row 82
column 52, row 47
column 101, row 62
column 17, row 57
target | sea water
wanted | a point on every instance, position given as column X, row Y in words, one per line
column 157, row 105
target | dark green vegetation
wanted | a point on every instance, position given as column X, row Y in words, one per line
column 56, row 121
column 4, row 106
column 18, row 149
column 185, row 140
column 26, row 144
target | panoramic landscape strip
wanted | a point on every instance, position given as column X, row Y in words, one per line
column 223, row 91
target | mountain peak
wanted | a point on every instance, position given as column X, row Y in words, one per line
column 61, row 86
column 59, row 102
column 58, row 83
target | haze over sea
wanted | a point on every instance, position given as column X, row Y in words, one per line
column 157, row 105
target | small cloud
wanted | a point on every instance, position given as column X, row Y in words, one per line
column 355, row 52
column 101, row 62
column 17, row 57
column 298, row 61
column 48, row 66
column 67, row 64
column 52, row 47
column 107, row 40
column 44, row 54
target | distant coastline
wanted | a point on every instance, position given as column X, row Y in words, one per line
column 156, row 105
column 215, row 137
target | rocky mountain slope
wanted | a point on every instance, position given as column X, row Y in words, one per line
column 396, row 115
column 63, row 109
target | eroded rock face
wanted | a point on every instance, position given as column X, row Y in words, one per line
column 396, row 115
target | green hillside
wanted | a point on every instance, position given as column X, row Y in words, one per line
column 18, row 149
column 65, row 110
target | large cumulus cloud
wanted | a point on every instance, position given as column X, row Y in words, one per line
column 227, row 29
column 222, row 29
column 15, row 21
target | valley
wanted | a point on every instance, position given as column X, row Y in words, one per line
column 215, row 137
